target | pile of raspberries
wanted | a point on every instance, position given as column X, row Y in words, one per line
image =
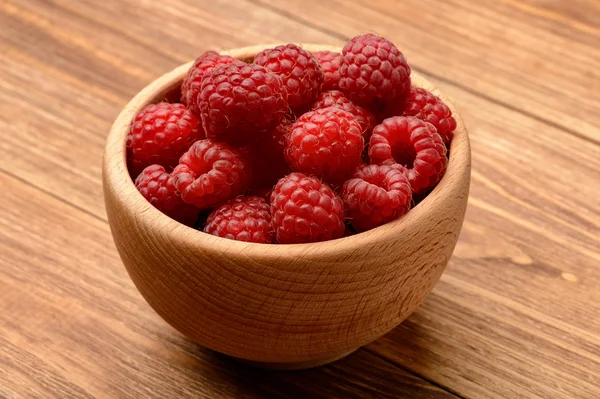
column 294, row 147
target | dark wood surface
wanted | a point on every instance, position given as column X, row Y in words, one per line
column 517, row 313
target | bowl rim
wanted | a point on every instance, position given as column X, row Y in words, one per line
column 117, row 180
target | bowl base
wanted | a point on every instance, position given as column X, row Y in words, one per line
column 307, row 364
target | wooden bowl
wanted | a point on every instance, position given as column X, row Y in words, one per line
column 282, row 306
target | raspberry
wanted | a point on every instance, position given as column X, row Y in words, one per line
column 330, row 62
column 266, row 157
column 336, row 99
column 156, row 185
column 238, row 103
column 373, row 68
column 430, row 108
column 413, row 143
column 305, row 210
column 211, row 172
column 376, row 195
column 242, row 219
column 192, row 82
column 427, row 107
column 160, row 134
column 325, row 142
column 301, row 72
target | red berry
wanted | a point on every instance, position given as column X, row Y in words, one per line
column 266, row 157
column 376, row 195
column 427, row 107
column 192, row 82
column 330, row 62
column 337, row 99
column 413, row 143
column 325, row 142
column 211, row 172
column 373, row 68
column 304, row 209
column 160, row 134
column 242, row 219
column 239, row 103
column 430, row 108
column 156, row 185
column 301, row 72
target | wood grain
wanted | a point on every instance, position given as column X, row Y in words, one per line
column 516, row 313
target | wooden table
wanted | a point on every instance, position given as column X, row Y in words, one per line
column 517, row 313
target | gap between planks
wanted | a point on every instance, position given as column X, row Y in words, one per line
column 412, row 372
column 51, row 194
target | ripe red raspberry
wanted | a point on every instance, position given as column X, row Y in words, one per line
column 156, row 185
column 325, row 142
column 160, row 134
column 430, row 108
column 427, row 107
column 305, row 210
column 376, row 195
column 192, row 82
column 239, row 103
column 211, row 172
column 301, row 72
column 337, row 99
column 413, row 143
column 373, row 68
column 266, row 157
column 242, row 219
column 330, row 62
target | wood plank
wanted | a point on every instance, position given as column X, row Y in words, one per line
column 509, row 51
column 493, row 327
column 73, row 325
column 578, row 15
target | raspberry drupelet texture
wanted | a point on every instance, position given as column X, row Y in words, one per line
column 430, row 108
column 304, row 209
column 240, row 103
column 211, row 172
column 330, row 62
column 192, row 82
column 325, row 142
column 337, row 99
column 426, row 106
column 300, row 71
column 413, row 143
column 375, row 195
column 242, row 219
column 372, row 68
column 266, row 157
column 160, row 134
column 156, row 185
